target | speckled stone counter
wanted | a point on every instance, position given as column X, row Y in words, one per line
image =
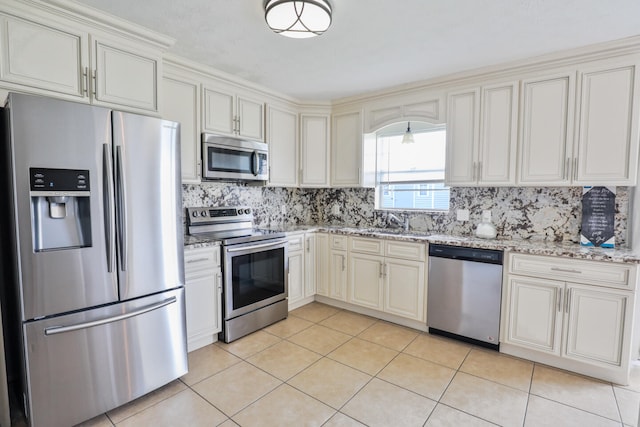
column 534, row 247
column 194, row 242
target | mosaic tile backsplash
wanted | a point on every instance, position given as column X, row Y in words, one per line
column 549, row 213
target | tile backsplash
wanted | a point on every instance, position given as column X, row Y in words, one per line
column 540, row 213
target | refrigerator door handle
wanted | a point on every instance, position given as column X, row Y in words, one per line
column 122, row 211
column 107, row 177
column 53, row 330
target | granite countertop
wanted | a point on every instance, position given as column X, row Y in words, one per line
column 534, row 247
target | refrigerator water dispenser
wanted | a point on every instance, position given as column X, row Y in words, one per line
column 60, row 209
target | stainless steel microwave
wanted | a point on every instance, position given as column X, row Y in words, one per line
column 234, row 159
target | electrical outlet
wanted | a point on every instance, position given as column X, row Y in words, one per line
column 335, row 209
column 462, row 214
column 283, row 210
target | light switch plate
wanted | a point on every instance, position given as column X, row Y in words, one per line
column 462, row 214
column 335, row 209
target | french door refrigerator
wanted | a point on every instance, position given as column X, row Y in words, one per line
column 92, row 204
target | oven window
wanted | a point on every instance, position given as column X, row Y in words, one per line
column 223, row 160
column 257, row 276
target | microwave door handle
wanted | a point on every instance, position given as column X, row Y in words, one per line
column 254, row 163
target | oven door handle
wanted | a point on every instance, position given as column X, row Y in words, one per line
column 261, row 246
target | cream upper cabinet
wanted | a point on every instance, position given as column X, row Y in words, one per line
column 482, row 136
column 314, row 150
column 181, row 103
column 51, row 57
column 346, row 149
column 607, row 131
column 229, row 113
column 282, row 137
column 44, row 57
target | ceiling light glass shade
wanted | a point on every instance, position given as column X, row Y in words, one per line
column 408, row 136
column 298, row 19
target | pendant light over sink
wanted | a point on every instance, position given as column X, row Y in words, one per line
column 408, row 136
column 298, row 19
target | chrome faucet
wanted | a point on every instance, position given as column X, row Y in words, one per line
column 394, row 221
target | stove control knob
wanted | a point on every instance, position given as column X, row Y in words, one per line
column 247, row 211
column 203, row 214
column 194, row 214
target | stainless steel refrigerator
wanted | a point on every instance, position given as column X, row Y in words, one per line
column 92, row 210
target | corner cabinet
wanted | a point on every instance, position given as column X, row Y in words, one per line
column 346, row 149
column 232, row 113
column 482, row 136
column 203, row 290
column 574, row 314
column 50, row 55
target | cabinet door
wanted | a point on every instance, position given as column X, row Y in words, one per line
column 462, row 137
column 181, row 103
column 283, row 147
column 296, row 276
column 218, row 113
column 43, row 57
column 322, row 264
column 314, row 150
column 203, row 308
column 547, row 108
column 365, row 280
column 607, row 140
column 338, row 275
column 310, row 265
column 250, row 118
column 498, row 135
column 125, row 78
column 596, row 320
column 346, row 149
column 404, row 288
column 534, row 313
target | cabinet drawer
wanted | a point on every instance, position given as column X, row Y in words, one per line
column 296, row 243
column 367, row 246
column 339, row 242
column 405, row 250
column 580, row 271
column 201, row 259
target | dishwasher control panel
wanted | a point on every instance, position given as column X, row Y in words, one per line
column 466, row 254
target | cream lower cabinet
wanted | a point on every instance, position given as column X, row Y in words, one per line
column 322, row 263
column 337, row 286
column 387, row 276
column 203, row 288
column 302, row 271
column 585, row 327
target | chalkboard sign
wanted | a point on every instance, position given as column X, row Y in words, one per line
column 598, row 216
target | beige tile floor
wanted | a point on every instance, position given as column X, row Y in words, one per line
column 328, row 367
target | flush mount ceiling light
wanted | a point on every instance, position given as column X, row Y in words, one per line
column 298, row 19
column 408, row 136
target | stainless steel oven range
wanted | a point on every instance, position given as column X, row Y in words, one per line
column 254, row 268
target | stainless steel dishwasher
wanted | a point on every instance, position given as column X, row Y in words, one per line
column 464, row 293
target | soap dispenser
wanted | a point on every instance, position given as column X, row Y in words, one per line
column 486, row 230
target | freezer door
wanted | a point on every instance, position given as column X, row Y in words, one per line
column 149, row 204
column 84, row 364
column 54, row 134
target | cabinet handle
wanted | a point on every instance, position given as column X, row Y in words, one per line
column 565, row 175
column 381, row 274
column 308, row 246
column 93, row 87
column 85, row 81
column 575, row 169
column 474, row 174
column 343, row 262
column 560, row 300
column 219, row 280
column 568, row 301
column 196, row 260
column 385, row 269
column 479, row 171
column 238, row 125
column 566, row 270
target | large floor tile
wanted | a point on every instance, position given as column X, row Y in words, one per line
column 445, row 416
column 236, row 387
column 389, row 335
column 315, row 312
column 99, row 421
column 250, row 345
column 382, row 404
column 341, row 420
column 207, row 361
column 363, row 355
column 440, row 350
column 284, row 360
column 320, row 339
column 418, row 375
column 348, row 322
column 330, row 382
column 289, row 326
column 183, row 409
column 145, row 401
column 575, row 390
column 629, row 404
column 500, row 368
column 285, row 406
column 634, row 378
column 487, row 400
column 546, row 413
